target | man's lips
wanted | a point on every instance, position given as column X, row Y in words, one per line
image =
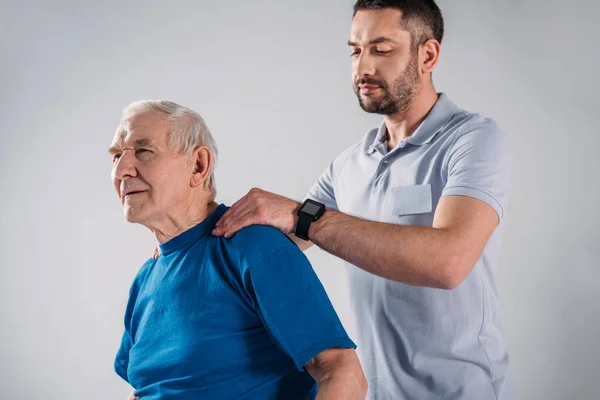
column 368, row 88
column 131, row 192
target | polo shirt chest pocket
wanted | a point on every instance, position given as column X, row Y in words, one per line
column 412, row 205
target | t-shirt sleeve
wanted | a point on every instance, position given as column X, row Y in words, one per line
column 324, row 188
column 478, row 166
column 294, row 306
column 121, row 363
column 323, row 191
column 122, row 358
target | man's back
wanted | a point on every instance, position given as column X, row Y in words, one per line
column 226, row 318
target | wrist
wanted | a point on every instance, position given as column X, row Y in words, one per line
column 307, row 214
column 295, row 216
column 316, row 226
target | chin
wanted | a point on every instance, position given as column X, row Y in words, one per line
column 370, row 107
column 132, row 215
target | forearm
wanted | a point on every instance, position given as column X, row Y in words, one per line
column 414, row 255
column 301, row 243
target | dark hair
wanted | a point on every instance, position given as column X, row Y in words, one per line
column 422, row 18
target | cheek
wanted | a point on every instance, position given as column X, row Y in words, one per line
column 116, row 183
column 392, row 66
column 167, row 184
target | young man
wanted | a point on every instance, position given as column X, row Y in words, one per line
column 418, row 208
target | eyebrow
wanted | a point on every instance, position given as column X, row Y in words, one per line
column 142, row 142
column 381, row 39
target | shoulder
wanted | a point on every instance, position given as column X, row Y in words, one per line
column 143, row 273
column 468, row 130
column 257, row 243
column 139, row 279
column 355, row 149
column 465, row 123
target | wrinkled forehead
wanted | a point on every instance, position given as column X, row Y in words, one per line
column 147, row 126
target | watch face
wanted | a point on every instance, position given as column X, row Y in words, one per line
column 310, row 208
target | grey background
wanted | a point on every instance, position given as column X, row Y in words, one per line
column 272, row 80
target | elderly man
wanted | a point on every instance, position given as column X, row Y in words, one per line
column 212, row 318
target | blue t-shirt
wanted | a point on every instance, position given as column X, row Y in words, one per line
column 216, row 318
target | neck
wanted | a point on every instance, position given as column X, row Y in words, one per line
column 181, row 218
column 403, row 124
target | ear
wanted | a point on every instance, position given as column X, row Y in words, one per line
column 429, row 53
column 203, row 160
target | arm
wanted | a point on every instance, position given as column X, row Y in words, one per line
column 338, row 374
column 302, row 244
column 455, row 226
column 295, row 309
column 439, row 256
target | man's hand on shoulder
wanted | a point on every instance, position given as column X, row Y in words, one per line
column 259, row 207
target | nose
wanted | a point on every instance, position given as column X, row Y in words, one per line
column 364, row 65
column 125, row 166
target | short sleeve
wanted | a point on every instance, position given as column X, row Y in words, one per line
column 121, row 363
column 478, row 166
column 322, row 191
column 294, row 306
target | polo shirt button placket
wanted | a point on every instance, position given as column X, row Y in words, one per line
column 379, row 178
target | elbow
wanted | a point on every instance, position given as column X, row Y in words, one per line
column 450, row 283
column 356, row 382
column 354, row 385
column 363, row 386
column 453, row 273
column 360, row 384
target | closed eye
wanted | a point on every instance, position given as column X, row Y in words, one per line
column 143, row 154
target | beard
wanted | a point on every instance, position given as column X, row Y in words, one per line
column 395, row 98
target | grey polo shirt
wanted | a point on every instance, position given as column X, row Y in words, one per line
column 414, row 342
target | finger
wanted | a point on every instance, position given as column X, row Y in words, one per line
column 235, row 224
column 242, row 208
column 226, row 226
column 232, row 211
column 250, row 218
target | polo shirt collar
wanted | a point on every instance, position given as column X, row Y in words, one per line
column 438, row 117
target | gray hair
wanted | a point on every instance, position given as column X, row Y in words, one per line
column 187, row 129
